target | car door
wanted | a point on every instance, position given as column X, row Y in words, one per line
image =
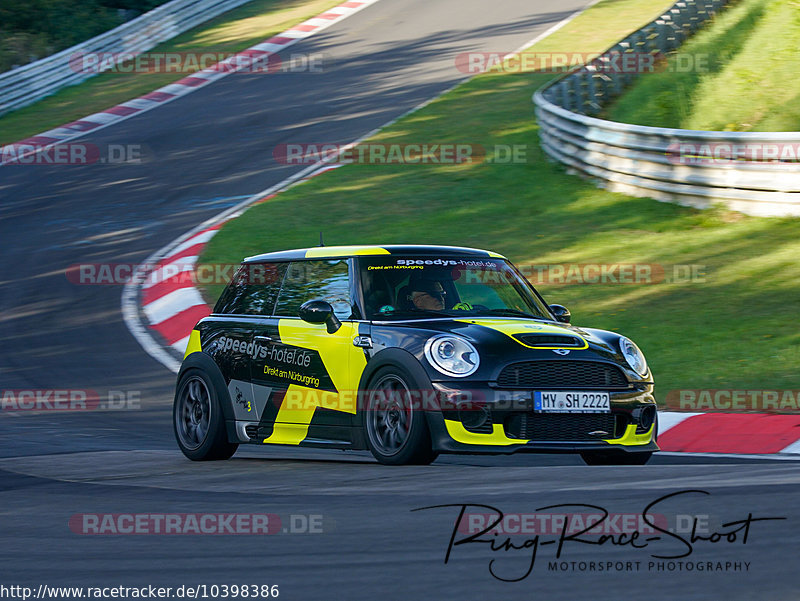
column 243, row 311
column 313, row 373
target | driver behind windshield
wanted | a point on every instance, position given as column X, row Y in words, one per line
column 426, row 294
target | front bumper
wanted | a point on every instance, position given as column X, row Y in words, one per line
column 483, row 419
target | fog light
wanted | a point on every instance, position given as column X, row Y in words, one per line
column 474, row 417
column 644, row 416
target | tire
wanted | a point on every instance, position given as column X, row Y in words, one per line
column 618, row 458
column 197, row 418
column 395, row 430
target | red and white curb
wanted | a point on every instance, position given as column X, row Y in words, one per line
column 170, row 302
column 736, row 433
column 182, row 87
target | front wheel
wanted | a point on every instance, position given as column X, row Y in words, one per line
column 396, row 430
column 198, row 420
column 618, row 458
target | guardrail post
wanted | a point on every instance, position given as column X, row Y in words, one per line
column 668, row 31
column 604, row 74
column 559, row 96
column 588, row 103
column 570, row 100
column 692, row 18
column 678, row 24
column 583, row 90
column 718, row 5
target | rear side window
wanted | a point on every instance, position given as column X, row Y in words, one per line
column 327, row 280
column 253, row 291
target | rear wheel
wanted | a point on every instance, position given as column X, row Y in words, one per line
column 198, row 420
column 396, row 431
column 618, row 458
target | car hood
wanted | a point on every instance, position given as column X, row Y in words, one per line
column 504, row 340
column 475, row 328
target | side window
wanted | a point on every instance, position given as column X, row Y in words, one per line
column 253, row 291
column 327, row 280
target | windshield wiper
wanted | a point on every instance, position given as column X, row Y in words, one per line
column 414, row 313
column 515, row 313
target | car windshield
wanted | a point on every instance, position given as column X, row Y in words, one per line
column 396, row 287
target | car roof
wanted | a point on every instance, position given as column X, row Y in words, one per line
column 332, row 252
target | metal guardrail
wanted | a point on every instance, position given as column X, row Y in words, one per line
column 757, row 173
column 29, row 83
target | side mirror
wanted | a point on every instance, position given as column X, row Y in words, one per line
column 561, row 313
column 320, row 311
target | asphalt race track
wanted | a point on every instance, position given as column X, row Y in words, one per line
column 372, row 545
column 217, row 144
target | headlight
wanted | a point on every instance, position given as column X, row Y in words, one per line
column 633, row 356
column 451, row 355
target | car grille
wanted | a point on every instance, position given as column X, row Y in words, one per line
column 562, row 374
column 251, row 431
column 562, row 427
column 537, row 340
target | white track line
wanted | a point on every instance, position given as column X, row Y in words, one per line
column 793, row 448
column 199, row 239
column 670, row 419
column 181, row 345
column 774, row 457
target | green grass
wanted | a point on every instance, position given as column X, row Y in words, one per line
column 229, row 33
column 735, row 329
column 746, row 80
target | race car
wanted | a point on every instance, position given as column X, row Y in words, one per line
column 409, row 352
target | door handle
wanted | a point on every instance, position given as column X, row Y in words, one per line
column 262, row 338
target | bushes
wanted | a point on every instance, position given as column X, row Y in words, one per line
column 33, row 29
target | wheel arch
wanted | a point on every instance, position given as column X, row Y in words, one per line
column 394, row 357
column 200, row 360
column 410, row 368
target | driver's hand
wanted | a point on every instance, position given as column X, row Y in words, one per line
column 462, row 307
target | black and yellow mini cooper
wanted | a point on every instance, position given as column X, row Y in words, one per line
column 408, row 351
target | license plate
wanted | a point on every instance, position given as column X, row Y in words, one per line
column 565, row 401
